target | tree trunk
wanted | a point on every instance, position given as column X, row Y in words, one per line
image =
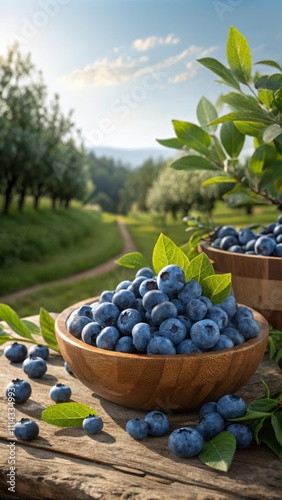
column 54, row 200
column 8, row 197
column 36, row 199
column 21, row 199
column 249, row 209
column 67, row 203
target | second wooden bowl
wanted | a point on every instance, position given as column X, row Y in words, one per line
column 170, row 383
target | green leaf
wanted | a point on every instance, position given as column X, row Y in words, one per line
column 271, row 133
column 249, row 416
column 220, row 70
column 206, row 113
column 266, row 388
column 261, row 155
column 239, row 55
column 173, row 143
column 192, row 162
column 217, row 287
column 266, row 97
column 276, row 420
column 248, row 128
column 67, row 414
column 218, row 148
column 244, row 117
column 256, row 427
column 166, row 252
column 219, row 180
column 132, row 260
column 47, row 325
column 271, row 174
column 13, row 320
column 268, row 437
column 219, row 452
column 5, row 337
column 200, row 267
column 264, row 405
column 267, row 62
column 269, row 82
column 241, row 102
column 32, row 328
column 232, row 139
column 192, row 136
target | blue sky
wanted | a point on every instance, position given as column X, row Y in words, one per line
column 127, row 67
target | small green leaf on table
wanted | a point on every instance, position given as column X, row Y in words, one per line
column 67, row 414
column 167, row 252
column 217, row 287
column 219, row 452
column 132, row 260
column 47, row 325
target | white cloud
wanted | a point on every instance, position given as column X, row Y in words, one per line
column 108, row 72
column 143, row 44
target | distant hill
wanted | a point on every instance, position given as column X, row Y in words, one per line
column 133, row 157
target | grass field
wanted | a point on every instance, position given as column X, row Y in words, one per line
column 145, row 232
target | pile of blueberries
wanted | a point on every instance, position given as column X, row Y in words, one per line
column 267, row 241
column 18, row 391
column 161, row 315
column 188, row 442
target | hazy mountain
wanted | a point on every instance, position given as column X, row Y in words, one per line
column 134, row 157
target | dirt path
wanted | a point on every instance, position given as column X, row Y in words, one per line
column 128, row 246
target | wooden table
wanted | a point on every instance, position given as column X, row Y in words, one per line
column 67, row 463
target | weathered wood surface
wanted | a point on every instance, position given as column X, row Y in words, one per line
column 68, row 463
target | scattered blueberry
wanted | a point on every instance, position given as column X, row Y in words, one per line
column 15, row 352
column 39, row 351
column 18, row 390
column 231, row 406
column 186, row 442
column 210, row 425
column 26, row 429
column 157, row 422
column 60, row 393
column 92, row 424
column 242, row 434
column 137, row 428
column 34, row 367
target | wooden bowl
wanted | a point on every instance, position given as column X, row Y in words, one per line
column 170, row 383
column 256, row 280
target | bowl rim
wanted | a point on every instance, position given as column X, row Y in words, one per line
column 61, row 332
column 262, row 258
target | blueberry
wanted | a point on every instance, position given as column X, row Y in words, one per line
column 171, row 279
column 152, row 298
column 145, row 271
column 216, row 243
column 277, row 230
column 241, row 314
column 210, row 425
column 245, row 235
column 234, row 335
column 270, row 227
column 163, row 311
column 173, row 329
column 15, row 352
column 34, row 367
column 186, row 321
column 205, row 333
column 76, row 323
column 187, row 346
column 106, row 296
column 228, row 241
column 181, row 309
column 60, row 393
column 127, row 319
column 186, row 442
column 250, row 246
column 147, row 285
column 279, row 219
column 249, row 328
column 39, row 351
column 135, row 285
column 191, row 290
column 85, row 310
column 26, row 429
column 18, row 390
column 92, row 424
column 124, row 344
column 124, row 299
column 265, row 246
column 224, row 342
column 123, row 285
column 141, row 335
column 235, row 249
column 89, row 333
column 210, row 407
column 279, row 239
column 242, row 434
column 196, row 309
column 137, row 428
column 229, row 305
column 157, row 422
column 231, row 406
column 278, row 250
column 226, row 231
column 160, row 345
column 106, row 314
column 219, row 316
column 107, row 338
column 206, row 301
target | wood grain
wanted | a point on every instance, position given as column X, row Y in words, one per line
column 67, row 463
column 256, row 280
column 146, row 382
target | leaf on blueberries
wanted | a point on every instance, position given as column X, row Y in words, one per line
column 217, row 287
column 167, row 252
column 132, row 260
column 262, row 405
column 200, row 267
column 67, row 414
column 47, row 325
column 219, row 452
column 13, row 320
column 276, row 420
column 249, row 416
